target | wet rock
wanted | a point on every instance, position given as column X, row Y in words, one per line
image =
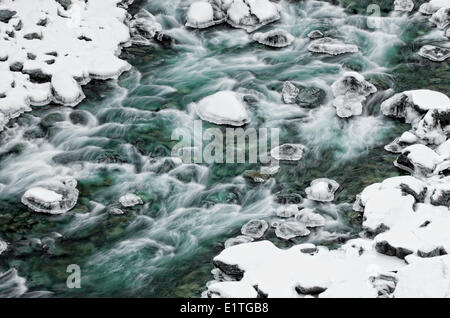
column 289, row 93
column 441, row 195
column 384, row 247
column 130, row 200
column 310, row 219
column 403, row 5
column 255, row 228
column 51, row 119
column 291, row 229
column 314, row 35
column 223, row 108
column 144, row 28
column 232, row 270
column 331, row 46
column 434, row 53
column 288, row 152
column 240, row 239
column 322, row 190
column 310, row 97
column 441, row 17
column 53, row 197
column 307, row 248
column 256, row 176
column 276, row 38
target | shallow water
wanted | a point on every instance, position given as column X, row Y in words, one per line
column 165, row 247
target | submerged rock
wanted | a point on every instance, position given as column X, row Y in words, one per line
column 291, row 229
column 275, row 38
column 223, row 108
column 240, row 239
column 322, row 190
column 350, row 93
column 441, row 17
column 288, row 152
column 255, row 228
column 53, row 197
column 434, row 53
column 130, row 200
column 314, row 35
column 331, row 46
column 403, row 5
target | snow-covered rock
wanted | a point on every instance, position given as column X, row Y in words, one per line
column 287, row 211
column 322, row 190
column 200, row 15
column 255, row 228
column 52, row 51
column 400, row 143
column 130, row 200
column 3, row 246
column 240, row 239
column 288, row 152
column 331, row 46
column 350, row 92
column 250, row 15
column 274, row 38
column 223, row 108
column 441, row 17
column 54, row 197
column 418, row 159
column 403, row 5
column 315, row 34
column 289, row 229
column 232, row 289
column 432, row 6
column 434, row 53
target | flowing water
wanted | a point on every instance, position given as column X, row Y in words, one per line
column 118, row 140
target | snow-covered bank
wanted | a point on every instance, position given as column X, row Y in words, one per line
column 48, row 50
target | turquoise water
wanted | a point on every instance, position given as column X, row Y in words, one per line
column 122, row 138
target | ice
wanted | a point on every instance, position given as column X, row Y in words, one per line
column 331, row 46
column 288, row 152
column 275, row 38
column 322, row 190
column 255, row 228
column 130, row 200
column 434, row 53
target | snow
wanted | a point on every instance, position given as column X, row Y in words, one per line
column 331, row 46
column 76, row 44
column 322, row 190
column 223, row 108
column 130, row 200
column 264, row 10
column 200, row 15
column 433, row 6
column 423, row 159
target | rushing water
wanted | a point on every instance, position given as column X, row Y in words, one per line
column 119, row 140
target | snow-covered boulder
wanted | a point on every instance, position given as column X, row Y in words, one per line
column 66, row 90
column 274, row 38
column 255, row 228
column 418, row 159
column 240, row 239
column 350, row 92
column 322, row 190
column 403, row 5
column 130, row 200
column 288, row 152
column 287, row 211
column 250, row 15
column 200, row 15
column 400, row 143
column 54, row 197
column 315, row 34
column 432, row 6
column 331, row 46
column 434, row 53
column 290, row 229
column 223, row 108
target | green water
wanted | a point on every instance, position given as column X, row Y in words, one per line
column 165, row 247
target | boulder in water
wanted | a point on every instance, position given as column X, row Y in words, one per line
column 403, row 5
column 288, row 152
column 400, row 143
column 315, row 34
column 130, row 200
column 287, row 211
column 200, row 15
column 53, row 197
column 3, row 246
column 275, row 38
column 434, row 53
column 255, row 228
column 418, row 159
column 144, row 28
column 289, row 93
column 291, row 229
column 309, row 218
column 331, row 46
column 223, row 108
column 322, row 190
